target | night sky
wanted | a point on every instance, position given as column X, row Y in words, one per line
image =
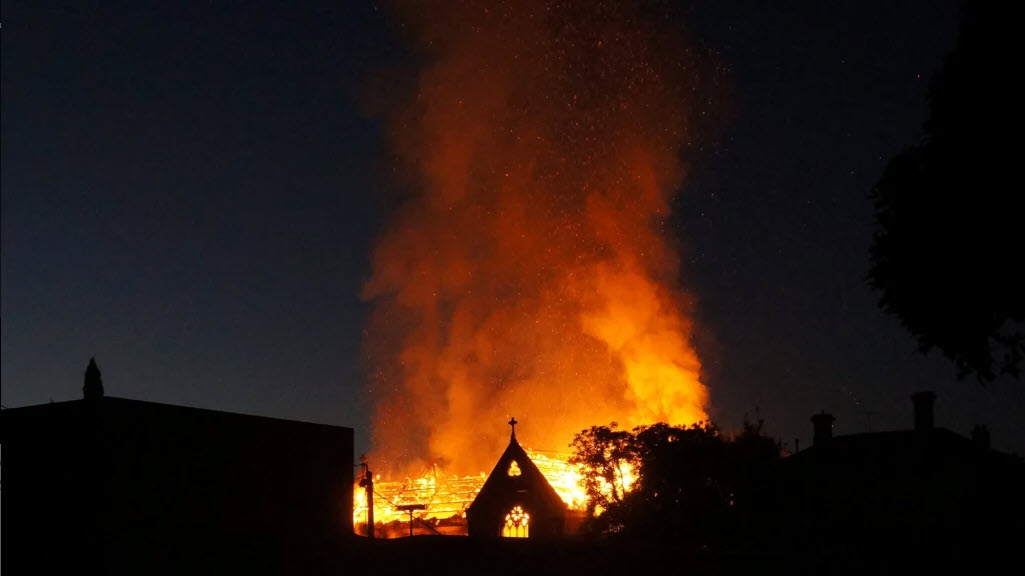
column 191, row 195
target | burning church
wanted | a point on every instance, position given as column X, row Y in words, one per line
column 516, row 500
column 529, row 494
column 524, row 268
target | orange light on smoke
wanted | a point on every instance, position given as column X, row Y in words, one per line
column 529, row 269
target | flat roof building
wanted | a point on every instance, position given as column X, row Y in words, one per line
column 120, row 485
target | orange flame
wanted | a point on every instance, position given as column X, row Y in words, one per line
column 448, row 496
column 529, row 272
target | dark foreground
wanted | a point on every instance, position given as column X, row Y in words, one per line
column 463, row 555
column 440, row 555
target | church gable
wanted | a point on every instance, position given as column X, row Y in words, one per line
column 516, row 500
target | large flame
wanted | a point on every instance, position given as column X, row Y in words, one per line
column 446, row 497
column 529, row 273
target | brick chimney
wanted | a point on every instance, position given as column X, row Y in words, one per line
column 823, row 425
column 923, row 402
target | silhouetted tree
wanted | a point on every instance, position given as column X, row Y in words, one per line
column 606, row 453
column 947, row 255
column 689, row 483
column 681, row 490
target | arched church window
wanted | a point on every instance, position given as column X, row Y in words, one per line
column 514, row 469
column 517, row 523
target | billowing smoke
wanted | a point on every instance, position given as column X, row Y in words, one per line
column 529, row 273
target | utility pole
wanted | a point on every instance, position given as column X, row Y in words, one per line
column 368, row 483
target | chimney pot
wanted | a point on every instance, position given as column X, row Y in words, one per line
column 823, row 425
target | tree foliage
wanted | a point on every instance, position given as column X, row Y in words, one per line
column 948, row 251
column 606, row 453
column 689, row 483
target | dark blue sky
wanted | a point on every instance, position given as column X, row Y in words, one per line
column 191, row 195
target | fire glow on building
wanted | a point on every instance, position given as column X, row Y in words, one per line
column 528, row 271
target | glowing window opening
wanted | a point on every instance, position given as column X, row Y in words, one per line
column 514, row 469
column 517, row 524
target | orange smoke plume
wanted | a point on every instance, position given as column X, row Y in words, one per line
column 530, row 274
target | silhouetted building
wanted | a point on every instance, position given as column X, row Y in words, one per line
column 823, row 425
column 93, row 386
column 516, row 500
column 121, row 485
column 926, row 485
